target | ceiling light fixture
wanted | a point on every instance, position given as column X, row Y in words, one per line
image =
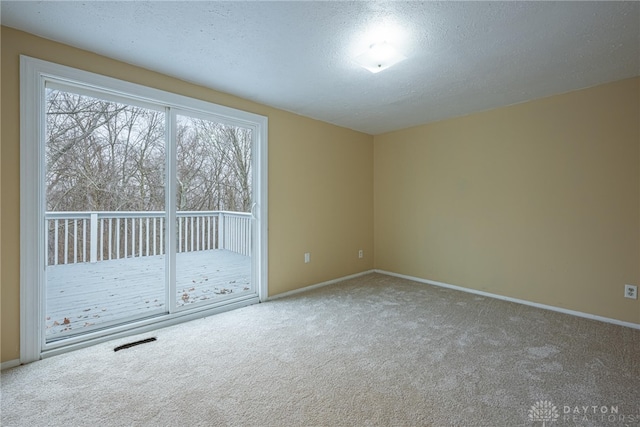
column 378, row 57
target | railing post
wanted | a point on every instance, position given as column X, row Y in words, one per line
column 94, row 238
column 221, row 230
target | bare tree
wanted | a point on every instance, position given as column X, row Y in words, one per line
column 214, row 166
column 108, row 156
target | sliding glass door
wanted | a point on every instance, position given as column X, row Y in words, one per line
column 105, row 211
column 213, row 210
column 139, row 208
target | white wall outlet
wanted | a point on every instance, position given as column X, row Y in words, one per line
column 307, row 257
column 631, row 291
column 360, row 253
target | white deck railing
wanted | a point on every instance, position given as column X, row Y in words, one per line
column 75, row 237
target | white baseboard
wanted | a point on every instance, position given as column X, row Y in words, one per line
column 516, row 300
column 9, row 364
column 318, row 285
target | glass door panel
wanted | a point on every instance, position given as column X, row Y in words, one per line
column 213, row 211
column 105, row 212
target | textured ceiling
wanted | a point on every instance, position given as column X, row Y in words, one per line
column 298, row 56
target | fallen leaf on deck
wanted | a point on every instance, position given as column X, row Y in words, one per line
column 66, row 321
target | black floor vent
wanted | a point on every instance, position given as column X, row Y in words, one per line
column 133, row 344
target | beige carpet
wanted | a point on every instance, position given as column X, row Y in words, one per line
column 371, row 351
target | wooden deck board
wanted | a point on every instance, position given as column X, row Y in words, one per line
column 91, row 296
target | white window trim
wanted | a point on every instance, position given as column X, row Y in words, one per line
column 33, row 72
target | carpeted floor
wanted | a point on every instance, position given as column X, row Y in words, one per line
column 371, row 351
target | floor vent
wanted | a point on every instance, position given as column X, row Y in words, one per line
column 133, row 344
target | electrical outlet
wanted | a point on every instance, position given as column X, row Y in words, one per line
column 307, row 257
column 631, row 291
column 360, row 253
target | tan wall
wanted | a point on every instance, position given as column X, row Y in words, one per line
column 538, row 201
column 320, row 181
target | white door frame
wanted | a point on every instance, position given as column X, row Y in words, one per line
column 33, row 73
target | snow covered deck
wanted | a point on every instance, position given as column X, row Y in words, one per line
column 85, row 296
